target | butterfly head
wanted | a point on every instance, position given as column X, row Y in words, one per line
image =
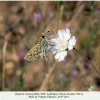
column 43, row 35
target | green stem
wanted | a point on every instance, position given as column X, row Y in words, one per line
column 87, row 60
column 58, row 14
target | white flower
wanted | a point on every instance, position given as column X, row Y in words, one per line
column 60, row 43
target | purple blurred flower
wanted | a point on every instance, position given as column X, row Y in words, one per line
column 97, row 15
column 86, row 66
column 61, row 75
column 51, row 14
column 75, row 73
column 36, row 16
column 69, row 25
column 98, row 10
column 98, row 90
column 20, row 54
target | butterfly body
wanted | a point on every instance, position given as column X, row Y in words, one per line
column 39, row 51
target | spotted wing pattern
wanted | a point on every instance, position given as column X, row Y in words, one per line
column 39, row 51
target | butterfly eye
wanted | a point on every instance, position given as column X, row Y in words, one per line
column 43, row 36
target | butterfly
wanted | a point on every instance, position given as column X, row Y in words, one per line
column 40, row 50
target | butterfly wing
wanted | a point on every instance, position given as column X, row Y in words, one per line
column 38, row 51
column 45, row 49
column 31, row 54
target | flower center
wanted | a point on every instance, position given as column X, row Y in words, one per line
column 62, row 44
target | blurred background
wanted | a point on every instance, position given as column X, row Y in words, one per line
column 20, row 23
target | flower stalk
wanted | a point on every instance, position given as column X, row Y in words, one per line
column 87, row 60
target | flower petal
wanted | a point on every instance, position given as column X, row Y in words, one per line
column 60, row 33
column 53, row 40
column 52, row 43
column 72, row 41
column 64, row 53
column 68, row 34
column 68, row 30
column 57, row 55
column 52, row 36
column 60, row 56
column 64, row 34
column 70, row 47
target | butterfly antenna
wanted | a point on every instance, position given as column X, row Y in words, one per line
column 50, row 31
column 40, row 27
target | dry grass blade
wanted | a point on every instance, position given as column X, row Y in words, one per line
column 78, row 11
column 47, row 76
column 4, row 63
